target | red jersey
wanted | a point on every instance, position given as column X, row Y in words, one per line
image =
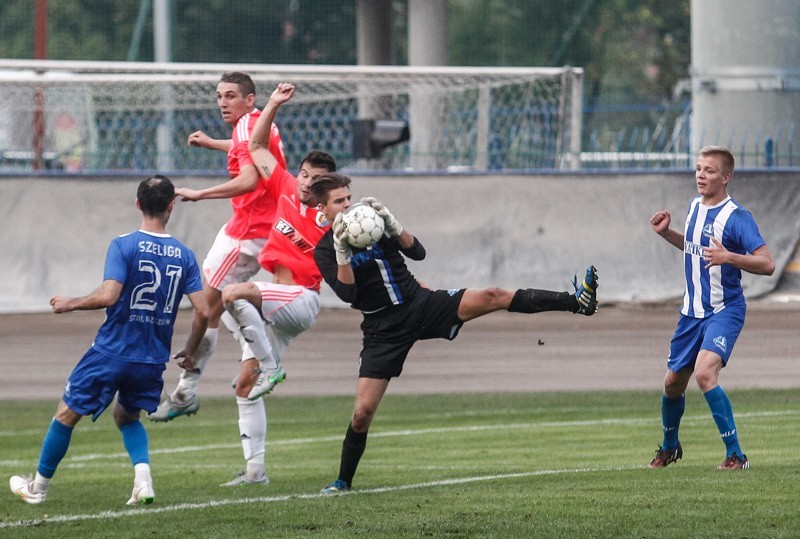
column 253, row 213
column 294, row 235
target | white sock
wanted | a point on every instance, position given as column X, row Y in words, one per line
column 252, row 327
column 253, row 431
column 41, row 483
column 141, row 473
column 232, row 326
column 187, row 385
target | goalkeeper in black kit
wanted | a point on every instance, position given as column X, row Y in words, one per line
column 398, row 311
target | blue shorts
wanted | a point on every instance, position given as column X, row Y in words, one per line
column 717, row 333
column 97, row 378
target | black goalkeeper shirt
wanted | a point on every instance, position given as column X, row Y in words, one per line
column 382, row 277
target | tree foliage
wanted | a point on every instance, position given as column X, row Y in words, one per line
column 631, row 50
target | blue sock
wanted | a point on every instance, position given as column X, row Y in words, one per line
column 54, row 447
column 722, row 412
column 671, row 414
column 134, row 436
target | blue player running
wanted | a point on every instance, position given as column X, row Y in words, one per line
column 720, row 240
column 147, row 272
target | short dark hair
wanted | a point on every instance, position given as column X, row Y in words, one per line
column 154, row 195
column 319, row 159
column 246, row 85
column 325, row 183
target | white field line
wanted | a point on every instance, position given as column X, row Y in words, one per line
column 273, row 499
column 196, row 423
column 410, row 432
column 430, row 484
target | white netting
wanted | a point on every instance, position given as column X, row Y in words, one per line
column 101, row 116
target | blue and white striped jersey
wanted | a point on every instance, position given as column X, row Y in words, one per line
column 708, row 291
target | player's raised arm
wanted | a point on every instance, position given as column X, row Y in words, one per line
column 660, row 222
column 263, row 159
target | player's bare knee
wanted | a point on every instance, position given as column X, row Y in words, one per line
column 214, row 299
column 706, row 381
column 227, row 298
column 66, row 415
column 674, row 388
column 362, row 418
column 231, row 293
column 495, row 297
column 121, row 416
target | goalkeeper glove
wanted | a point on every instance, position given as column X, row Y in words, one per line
column 343, row 251
column 393, row 228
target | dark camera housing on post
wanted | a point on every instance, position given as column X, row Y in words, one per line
column 370, row 136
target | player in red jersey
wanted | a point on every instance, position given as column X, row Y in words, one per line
column 233, row 258
column 290, row 303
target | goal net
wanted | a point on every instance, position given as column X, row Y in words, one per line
column 115, row 116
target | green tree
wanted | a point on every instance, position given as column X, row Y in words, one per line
column 76, row 29
column 631, row 50
column 215, row 31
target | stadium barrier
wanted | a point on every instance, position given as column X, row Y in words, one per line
column 504, row 230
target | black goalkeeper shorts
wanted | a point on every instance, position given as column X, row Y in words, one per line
column 390, row 333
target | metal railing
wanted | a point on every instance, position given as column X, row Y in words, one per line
column 640, row 136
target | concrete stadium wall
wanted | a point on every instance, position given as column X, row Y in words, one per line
column 532, row 231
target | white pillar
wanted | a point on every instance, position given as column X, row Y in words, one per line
column 375, row 32
column 375, row 45
column 427, row 33
column 162, row 45
column 427, row 46
column 745, row 75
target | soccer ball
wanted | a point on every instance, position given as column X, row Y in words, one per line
column 363, row 226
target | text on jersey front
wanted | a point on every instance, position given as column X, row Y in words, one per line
column 691, row 248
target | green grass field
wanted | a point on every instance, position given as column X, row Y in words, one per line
column 492, row 465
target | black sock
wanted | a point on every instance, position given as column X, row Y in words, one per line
column 530, row 300
column 352, row 449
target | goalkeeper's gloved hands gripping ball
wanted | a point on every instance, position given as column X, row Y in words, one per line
column 344, row 253
column 393, row 228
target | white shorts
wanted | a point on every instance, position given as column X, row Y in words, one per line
column 289, row 310
column 231, row 261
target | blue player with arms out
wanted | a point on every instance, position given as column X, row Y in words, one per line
column 147, row 272
column 398, row 311
column 720, row 239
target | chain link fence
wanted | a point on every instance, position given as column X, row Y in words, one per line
column 129, row 117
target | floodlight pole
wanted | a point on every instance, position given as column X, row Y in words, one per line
column 39, row 53
column 162, row 41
